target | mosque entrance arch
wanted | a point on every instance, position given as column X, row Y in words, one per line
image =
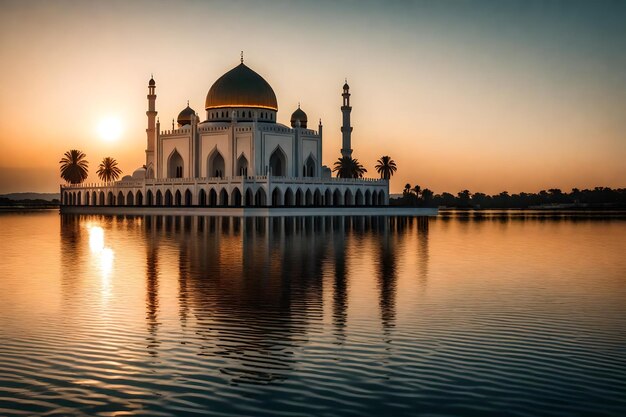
column 215, row 165
column 175, row 165
column 278, row 163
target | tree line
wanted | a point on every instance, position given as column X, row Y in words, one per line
column 554, row 197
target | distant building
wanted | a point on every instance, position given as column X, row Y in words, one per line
column 238, row 156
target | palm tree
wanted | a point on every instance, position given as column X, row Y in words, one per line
column 386, row 167
column 417, row 190
column 108, row 170
column 74, row 166
column 347, row 167
column 407, row 189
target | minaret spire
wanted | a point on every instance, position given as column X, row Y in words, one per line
column 151, row 132
column 346, row 129
column 242, row 57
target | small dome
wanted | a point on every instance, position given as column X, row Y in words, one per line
column 300, row 116
column 346, row 86
column 139, row 173
column 241, row 87
column 151, row 83
column 186, row 116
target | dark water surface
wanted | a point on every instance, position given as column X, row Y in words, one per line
column 177, row 316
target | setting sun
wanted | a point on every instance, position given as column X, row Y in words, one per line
column 110, row 129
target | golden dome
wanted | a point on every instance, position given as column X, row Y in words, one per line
column 186, row 116
column 241, row 87
column 299, row 115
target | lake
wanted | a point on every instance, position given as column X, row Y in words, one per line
column 496, row 315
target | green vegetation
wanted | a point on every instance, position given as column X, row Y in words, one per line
column 74, row 166
column 347, row 167
column 386, row 167
column 599, row 197
column 108, row 170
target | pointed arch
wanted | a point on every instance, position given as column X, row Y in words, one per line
column 309, row 168
column 110, row 199
column 260, row 199
column 328, row 197
column 188, row 197
column 139, row 198
column 249, row 200
column 175, row 165
column 308, row 198
column 149, row 198
column 317, row 197
column 374, row 198
column 159, row 198
column 78, row 202
column 215, row 164
column 242, row 166
column 213, row 197
column 87, row 195
column 289, row 200
column 381, row 198
column 337, row 198
column 236, row 197
column 278, row 162
column 348, row 198
column 120, row 199
column 223, row 197
column 178, row 198
column 368, row 198
column 169, row 199
column 358, row 198
column 299, row 197
column 130, row 199
column 277, row 197
column 94, row 199
column 102, row 201
column 202, row 201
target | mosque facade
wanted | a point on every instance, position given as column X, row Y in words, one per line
column 239, row 155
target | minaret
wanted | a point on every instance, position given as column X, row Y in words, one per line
column 151, row 130
column 346, row 129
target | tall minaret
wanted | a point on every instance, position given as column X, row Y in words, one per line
column 151, row 130
column 346, row 129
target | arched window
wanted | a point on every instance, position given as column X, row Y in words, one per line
column 175, row 165
column 278, row 163
column 215, row 165
column 242, row 166
column 309, row 167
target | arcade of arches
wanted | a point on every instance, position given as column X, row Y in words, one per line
column 280, row 196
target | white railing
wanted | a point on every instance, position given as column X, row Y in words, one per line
column 225, row 180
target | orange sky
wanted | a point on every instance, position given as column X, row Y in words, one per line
column 484, row 97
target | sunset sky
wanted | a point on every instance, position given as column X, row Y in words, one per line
column 488, row 96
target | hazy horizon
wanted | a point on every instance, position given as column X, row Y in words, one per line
column 486, row 96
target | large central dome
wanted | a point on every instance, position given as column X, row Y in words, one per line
column 241, row 87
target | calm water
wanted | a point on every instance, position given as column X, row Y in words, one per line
column 163, row 316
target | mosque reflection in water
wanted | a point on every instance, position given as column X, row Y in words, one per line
column 250, row 290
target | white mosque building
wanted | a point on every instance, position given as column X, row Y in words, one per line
column 238, row 156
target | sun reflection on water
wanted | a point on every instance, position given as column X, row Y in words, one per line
column 104, row 255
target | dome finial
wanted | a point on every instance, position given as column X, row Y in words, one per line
column 242, row 57
column 187, row 103
column 298, row 104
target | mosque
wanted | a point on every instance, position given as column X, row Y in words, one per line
column 239, row 155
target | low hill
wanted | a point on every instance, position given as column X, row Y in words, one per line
column 31, row 196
